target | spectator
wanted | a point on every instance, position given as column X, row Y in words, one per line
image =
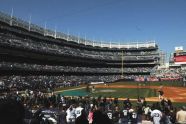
column 78, row 110
column 70, row 118
column 11, row 112
column 127, row 103
column 100, row 118
column 90, row 115
column 62, row 115
column 82, row 119
column 181, row 115
column 156, row 114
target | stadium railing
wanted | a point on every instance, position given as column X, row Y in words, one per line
column 14, row 21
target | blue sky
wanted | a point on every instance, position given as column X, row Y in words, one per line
column 109, row 20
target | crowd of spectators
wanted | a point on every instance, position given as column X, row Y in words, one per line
column 50, row 68
column 41, row 46
column 49, row 83
column 41, row 108
column 169, row 73
column 37, row 103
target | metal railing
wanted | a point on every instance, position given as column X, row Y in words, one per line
column 14, row 21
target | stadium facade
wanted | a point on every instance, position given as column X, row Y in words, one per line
column 178, row 60
column 30, row 53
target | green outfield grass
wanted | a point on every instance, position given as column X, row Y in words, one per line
column 125, row 93
column 164, row 83
column 121, row 92
column 114, row 93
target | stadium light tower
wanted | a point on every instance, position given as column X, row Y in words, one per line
column 78, row 38
column 29, row 22
column 85, row 39
column 55, row 33
column 122, row 58
column 45, row 28
column 93, row 41
column 68, row 35
column 12, row 12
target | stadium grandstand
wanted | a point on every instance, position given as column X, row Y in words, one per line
column 39, row 65
column 30, row 50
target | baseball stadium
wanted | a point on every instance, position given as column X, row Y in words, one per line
column 40, row 66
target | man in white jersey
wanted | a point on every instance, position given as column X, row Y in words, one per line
column 156, row 115
column 78, row 110
column 70, row 118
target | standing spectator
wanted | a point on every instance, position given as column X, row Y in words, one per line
column 147, row 111
column 79, row 110
column 173, row 115
column 70, row 118
column 127, row 103
column 109, row 113
column 90, row 115
column 62, row 115
column 125, row 116
column 47, row 114
column 82, row 119
column 181, row 115
column 116, row 115
column 100, row 118
column 133, row 116
column 156, row 115
column 11, row 112
column 139, row 112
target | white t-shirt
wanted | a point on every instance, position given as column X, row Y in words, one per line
column 147, row 110
column 125, row 112
column 70, row 115
column 156, row 115
column 78, row 111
